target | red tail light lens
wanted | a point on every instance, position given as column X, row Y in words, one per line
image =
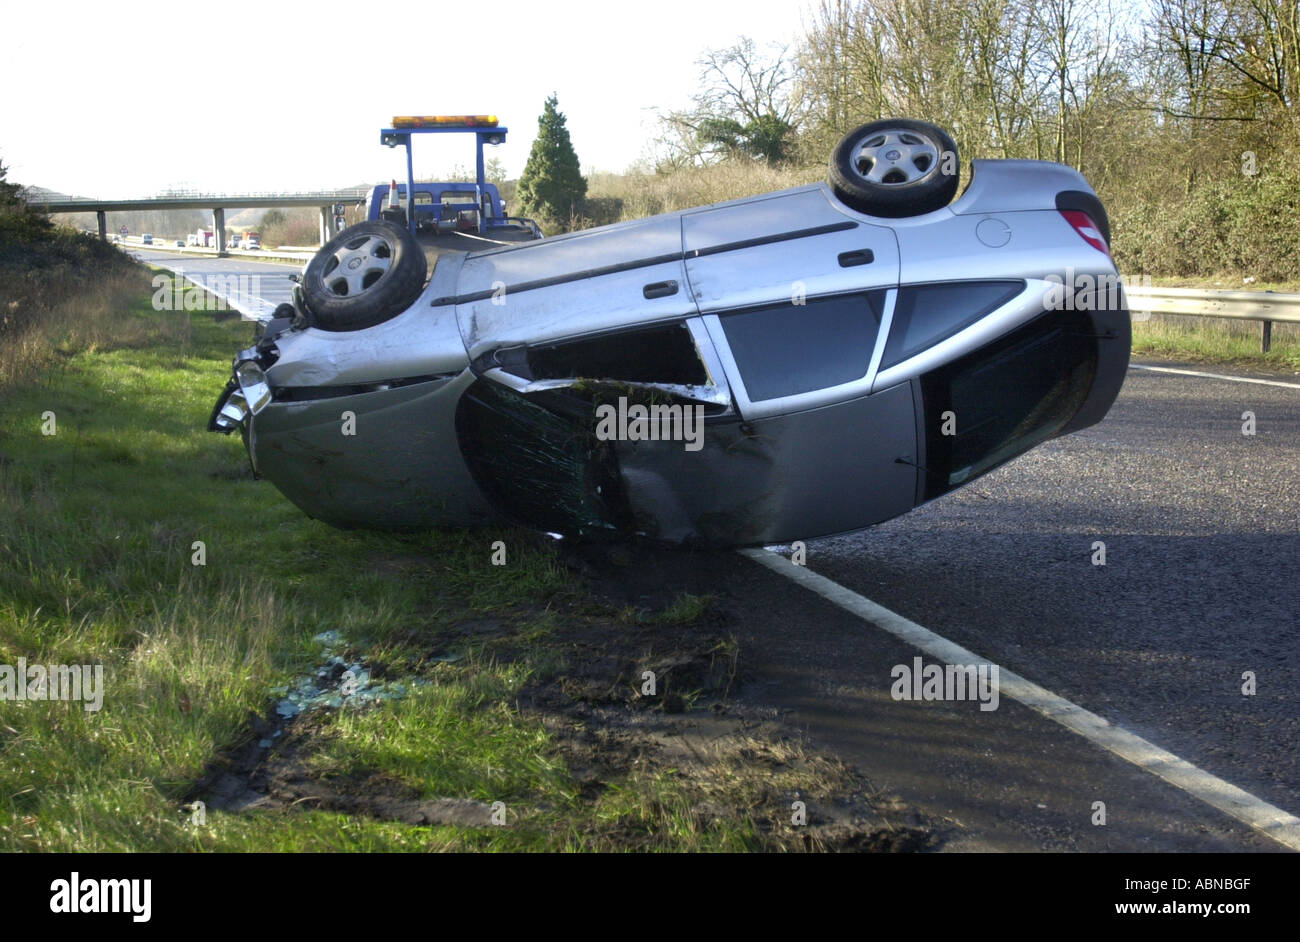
column 1086, row 228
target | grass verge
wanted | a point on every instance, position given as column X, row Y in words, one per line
column 111, row 492
column 1217, row 340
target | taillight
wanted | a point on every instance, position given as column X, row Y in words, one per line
column 1086, row 228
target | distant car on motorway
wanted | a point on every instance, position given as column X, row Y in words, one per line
column 234, row 242
column 147, row 239
column 774, row 368
column 253, row 245
column 180, row 243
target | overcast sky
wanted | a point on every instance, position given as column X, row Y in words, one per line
column 126, row 99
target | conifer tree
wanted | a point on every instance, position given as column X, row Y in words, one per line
column 552, row 186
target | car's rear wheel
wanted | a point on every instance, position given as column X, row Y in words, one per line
column 895, row 167
column 365, row 275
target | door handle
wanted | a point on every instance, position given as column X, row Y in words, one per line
column 857, row 257
column 660, row 289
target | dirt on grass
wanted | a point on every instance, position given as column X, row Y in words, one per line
column 640, row 676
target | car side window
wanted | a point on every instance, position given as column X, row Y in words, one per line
column 791, row 348
column 927, row 314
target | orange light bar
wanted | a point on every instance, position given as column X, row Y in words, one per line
column 446, row 121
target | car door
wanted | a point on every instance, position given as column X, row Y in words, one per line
column 789, row 246
column 796, row 297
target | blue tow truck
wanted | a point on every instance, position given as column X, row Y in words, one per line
column 473, row 209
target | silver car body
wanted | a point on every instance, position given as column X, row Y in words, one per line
column 840, row 360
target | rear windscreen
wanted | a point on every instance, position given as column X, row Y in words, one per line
column 927, row 314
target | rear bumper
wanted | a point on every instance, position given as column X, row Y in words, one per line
column 1114, row 336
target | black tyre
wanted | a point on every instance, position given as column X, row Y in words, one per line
column 895, row 167
column 365, row 275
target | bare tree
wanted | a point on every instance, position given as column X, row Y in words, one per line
column 744, row 107
column 840, row 80
column 964, row 65
column 1000, row 44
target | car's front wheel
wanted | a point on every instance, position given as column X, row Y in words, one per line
column 365, row 275
column 895, row 167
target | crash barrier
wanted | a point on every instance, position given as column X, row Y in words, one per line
column 1265, row 306
column 280, row 254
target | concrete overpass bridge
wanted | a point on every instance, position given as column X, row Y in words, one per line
column 325, row 200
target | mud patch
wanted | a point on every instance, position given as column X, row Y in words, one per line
column 642, row 686
column 733, row 763
column 251, row 777
column 732, row 755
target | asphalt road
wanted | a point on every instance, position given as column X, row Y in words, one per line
column 259, row 286
column 255, row 287
column 1200, row 584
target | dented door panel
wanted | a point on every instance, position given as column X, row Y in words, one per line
column 828, row 470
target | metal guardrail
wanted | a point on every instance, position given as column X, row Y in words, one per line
column 350, row 194
column 1264, row 306
column 293, row 254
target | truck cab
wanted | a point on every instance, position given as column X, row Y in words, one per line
column 440, row 207
column 455, row 209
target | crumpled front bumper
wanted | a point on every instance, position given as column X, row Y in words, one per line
column 247, row 392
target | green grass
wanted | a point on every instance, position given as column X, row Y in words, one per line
column 1226, row 282
column 97, row 530
column 1217, row 340
column 687, row 608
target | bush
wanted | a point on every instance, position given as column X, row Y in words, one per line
column 640, row 194
column 55, row 285
column 296, row 227
column 603, row 210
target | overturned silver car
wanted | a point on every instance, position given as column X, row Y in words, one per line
column 781, row 367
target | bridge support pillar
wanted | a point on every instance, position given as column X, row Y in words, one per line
column 102, row 218
column 326, row 218
column 219, row 228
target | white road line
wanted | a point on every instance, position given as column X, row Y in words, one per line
column 1228, row 798
column 1231, row 379
column 260, row 311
